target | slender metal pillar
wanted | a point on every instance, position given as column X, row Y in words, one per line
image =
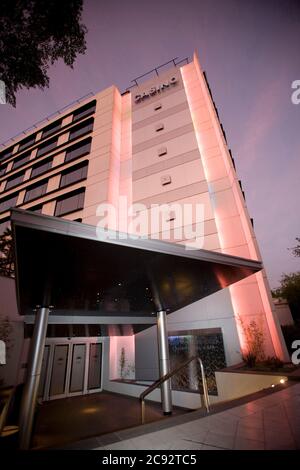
column 31, row 386
column 164, row 361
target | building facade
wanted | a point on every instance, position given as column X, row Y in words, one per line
column 159, row 143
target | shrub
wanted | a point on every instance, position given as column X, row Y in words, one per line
column 254, row 337
column 249, row 359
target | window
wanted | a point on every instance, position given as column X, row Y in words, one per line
column 74, row 174
column 81, row 129
column 21, row 160
column 24, row 144
column 162, row 151
column 159, row 127
column 46, row 147
column 70, row 203
column 37, row 209
column 166, row 179
column 51, row 129
column 79, row 150
column 36, row 190
column 84, row 111
column 6, row 153
column 8, row 202
column 2, row 169
column 15, row 180
column 41, row 167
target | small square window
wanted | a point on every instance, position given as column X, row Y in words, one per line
column 166, row 179
column 157, row 106
column 162, row 151
column 159, row 127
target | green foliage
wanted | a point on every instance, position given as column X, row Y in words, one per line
column 290, row 290
column 296, row 249
column 7, row 266
column 35, row 34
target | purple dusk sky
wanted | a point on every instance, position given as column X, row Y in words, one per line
column 250, row 52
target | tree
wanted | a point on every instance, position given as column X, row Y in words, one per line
column 290, row 290
column 35, row 34
column 7, row 266
column 296, row 249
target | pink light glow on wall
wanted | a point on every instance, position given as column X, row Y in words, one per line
column 235, row 231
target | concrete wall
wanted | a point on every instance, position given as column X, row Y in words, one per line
column 283, row 312
column 237, row 384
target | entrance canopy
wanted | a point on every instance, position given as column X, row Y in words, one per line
column 81, row 271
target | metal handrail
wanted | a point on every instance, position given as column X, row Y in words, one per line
column 165, row 377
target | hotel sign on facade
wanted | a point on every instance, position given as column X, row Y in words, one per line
column 156, row 89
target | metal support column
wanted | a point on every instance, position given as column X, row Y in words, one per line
column 164, row 361
column 31, row 386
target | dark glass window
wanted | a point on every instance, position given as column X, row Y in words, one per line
column 8, row 202
column 74, row 174
column 81, row 129
column 38, row 209
column 47, row 146
column 58, row 331
column 6, row 153
column 2, row 169
column 36, row 190
column 21, row 160
column 24, row 144
column 78, row 330
column 51, row 129
column 94, row 330
column 15, row 180
column 79, row 150
column 84, row 111
column 41, row 167
column 70, row 202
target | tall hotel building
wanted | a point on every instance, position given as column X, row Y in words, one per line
column 160, row 142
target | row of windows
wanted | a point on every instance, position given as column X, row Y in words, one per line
column 70, row 176
column 76, row 151
column 78, row 114
column 65, row 204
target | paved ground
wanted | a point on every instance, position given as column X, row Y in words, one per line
column 61, row 422
column 270, row 422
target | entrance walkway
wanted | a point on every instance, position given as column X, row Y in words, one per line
column 270, row 422
column 61, row 422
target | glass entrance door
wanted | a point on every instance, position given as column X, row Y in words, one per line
column 71, row 367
